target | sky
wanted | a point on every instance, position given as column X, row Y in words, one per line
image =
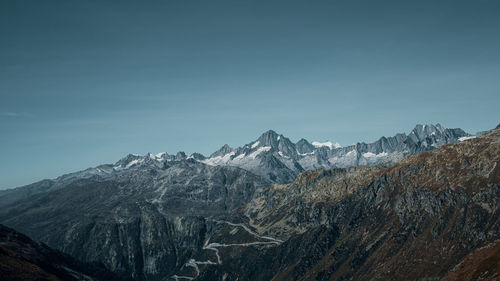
column 86, row 82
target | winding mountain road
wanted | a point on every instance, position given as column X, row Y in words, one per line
column 214, row 246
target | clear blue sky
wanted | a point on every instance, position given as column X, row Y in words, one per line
column 85, row 82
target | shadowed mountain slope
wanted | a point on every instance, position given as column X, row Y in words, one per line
column 23, row 259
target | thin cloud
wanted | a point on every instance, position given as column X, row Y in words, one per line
column 13, row 114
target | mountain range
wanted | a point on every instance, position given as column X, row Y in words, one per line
column 274, row 157
column 277, row 210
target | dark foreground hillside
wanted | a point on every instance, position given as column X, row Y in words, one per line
column 23, row 259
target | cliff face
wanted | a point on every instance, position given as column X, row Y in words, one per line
column 416, row 220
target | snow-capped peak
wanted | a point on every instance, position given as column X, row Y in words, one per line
column 158, row 156
column 328, row 144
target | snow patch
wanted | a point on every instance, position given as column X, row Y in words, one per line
column 351, row 153
column 160, row 155
column 259, row 151
column 133, row 162
column 255, row 144
column 282, row 155
column 239, row 157
column 466, row 138
column 229, row 158
column 373, row 155
column 328, row 144
column 218, row 160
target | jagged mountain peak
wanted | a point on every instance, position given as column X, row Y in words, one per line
column 423, row 131
column 181, row 155
column 225, row 149
column 269, row 138
column 197, row 156
column 269, row 133
column 304, row 147
column 136, row 160
column 273, row 142
column 302, row 141
column 129, row 160
column 436, row 133
column 429, row 126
